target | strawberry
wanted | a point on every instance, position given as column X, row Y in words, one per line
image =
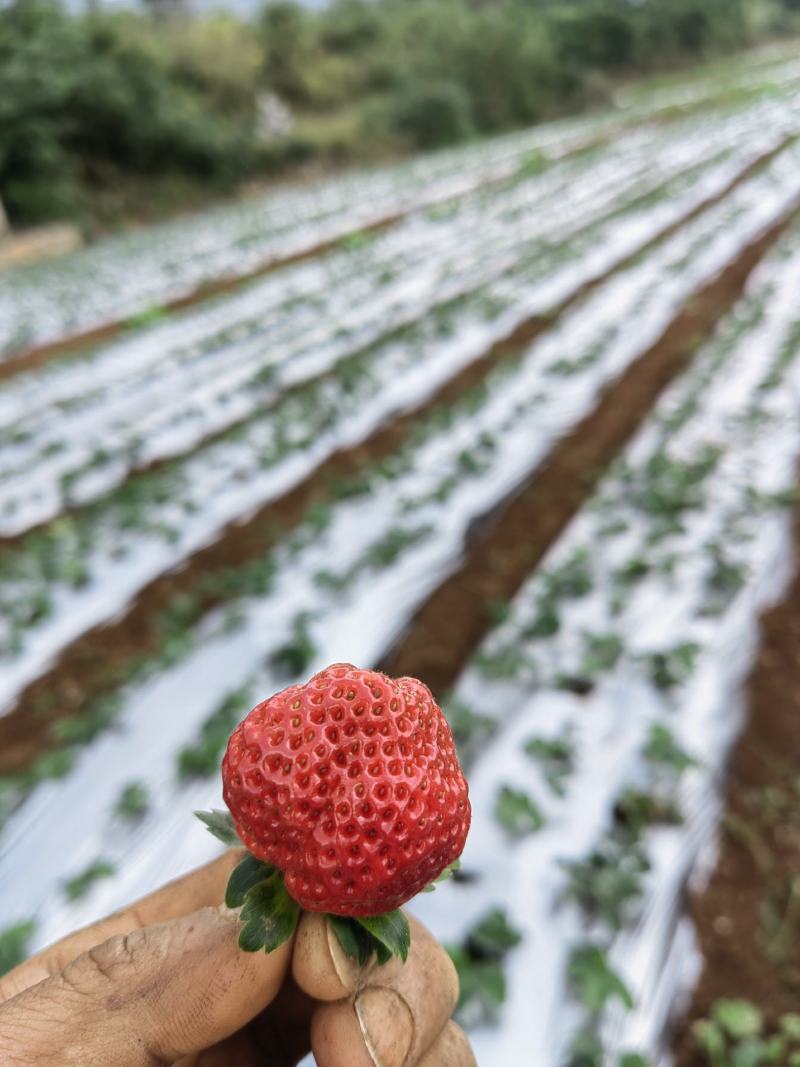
column 349, row 797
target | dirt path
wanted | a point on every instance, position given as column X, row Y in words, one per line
column 454, row 619
column 748, row 917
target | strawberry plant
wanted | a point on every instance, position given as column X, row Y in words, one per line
column 556, row 756
column 607, row 883
column 505, row 661
column 594, row 981
column 471, row 730
column 636, row 810
column 79, row 885
column 202, row 758
column 663, row 751
column 133, row 802
column 517, row 812
column 14, row 942
column 479, row 960
column 293, row 657
column 735, row 1035
column 669, row 668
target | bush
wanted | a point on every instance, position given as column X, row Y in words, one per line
column 593, row 36
column 94, row 103
column 80, row 95
column 431, row 115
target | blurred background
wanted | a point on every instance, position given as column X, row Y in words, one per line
column 115, row 112
column 456, row 338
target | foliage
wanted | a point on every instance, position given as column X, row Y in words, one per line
column 79, row 885
column 133, row 802
column 83, row 99
column 735, row 1035
column 594, row 981
column 479, row 962
column 14, row 941
column 292, row 658
column 517, row 812
column 471, row 730
column 663, row 750
column 202, row 758
column 432, row 114
column 607, row 883
column 556, row 756
column 86, row 98
column 672, row 666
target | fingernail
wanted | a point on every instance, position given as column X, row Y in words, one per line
column 387, row 1026
column 347, row 970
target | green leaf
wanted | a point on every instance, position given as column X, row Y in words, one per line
column 269, row 915
column 662, row 749
column 517, row 812
column 594, row 980
column 482, row 988
column 220, row 824
column 390, row 930
column 710, row 1039
column 250, row 872
column 14, row 941
column 444, row 876
column 492, row 937
column 738, row 1018
column 133, row 802
column 790, row 1025
column 80, row 884
column 356, row 942
column 752, row 1052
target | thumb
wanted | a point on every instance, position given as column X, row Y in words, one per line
column 146, row 998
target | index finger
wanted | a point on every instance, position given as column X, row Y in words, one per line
column 391, row 1014
column 201, row 888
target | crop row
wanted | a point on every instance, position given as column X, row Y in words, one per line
column 84, row 426
column 126, row 277
column 84, row 568
column 344, row 584
column 598, row 715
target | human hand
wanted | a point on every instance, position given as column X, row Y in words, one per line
column 164, row 982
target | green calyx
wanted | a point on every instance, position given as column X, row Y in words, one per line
column 269, row 914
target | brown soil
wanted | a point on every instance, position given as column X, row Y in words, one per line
column 748, row 918
column 453, row 621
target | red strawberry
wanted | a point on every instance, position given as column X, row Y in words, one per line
column 350, row 785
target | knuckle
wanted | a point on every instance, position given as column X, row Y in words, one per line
column 106, row 965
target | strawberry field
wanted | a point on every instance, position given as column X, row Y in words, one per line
column 521, row 419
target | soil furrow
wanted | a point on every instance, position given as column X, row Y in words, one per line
column 513, row 540
column 747, row 919
column 454, row 619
